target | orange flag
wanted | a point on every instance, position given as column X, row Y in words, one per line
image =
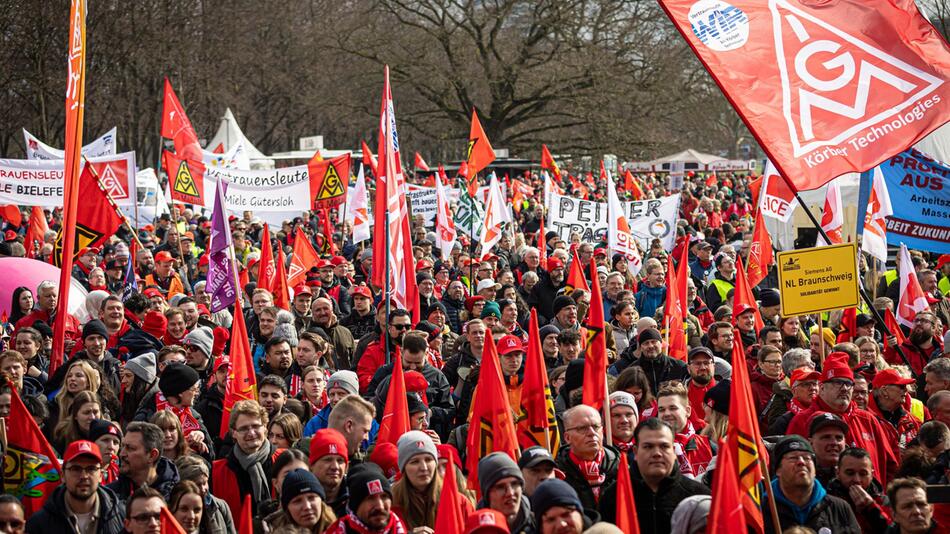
column 395, row 421
column 266, row 273
column 480, row 153
column 491, row 427
column 743, row 294
column 575, row 277
column 169, row 524
column 420, row 163
column 11, row 213
column 626, row 519
column 32, row 471
column 744, row 439
column 242, row 382
column 542, row 245
column 450, row 516
column 725, row 516
column 304, row 257
column 631, row 185
column 281, row 291
column 537, row 424
column 177, row 127
column 36, row 231
column 673, row 314
column 682, row 280
column 760, row 252
column 595, row 359
column 891, row 322
column 245, row 523
column 369, row 161
column 547, row 162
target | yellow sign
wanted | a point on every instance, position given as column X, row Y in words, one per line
column 184, row 183
column 818, row 279
column 332, row 186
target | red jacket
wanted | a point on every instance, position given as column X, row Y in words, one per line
column 696, row 394
column 697, row 450
column 372, row 359
column 761, row 389
column 865, row 431
column 73, row 330
column 907, row 425
column 917, row 357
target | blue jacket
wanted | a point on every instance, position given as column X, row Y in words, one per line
column 649, row 299
column 322, row 420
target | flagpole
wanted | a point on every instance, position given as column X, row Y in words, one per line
column 387, row 289
column 773, row 508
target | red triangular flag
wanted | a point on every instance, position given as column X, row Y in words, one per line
column 542, row 245
column 726, row 515
column 539, row 426
column 177, row 127
column 169, row 524
column 369, row 161
column 480, row 152
column 743, row 295
column 36, row 231
column 595, row 360
column 673, row 315
column 304, row 257
column 281, row 291
column 421, row 163
column 395, row 420
column 575, row 277
column 245, row 523
column 744, row 438
column 32, row 470
column 242, row 382
column 760, row 252
column 547, row 162
column 626, row 519
column 11, row 213
column 891, row 322
column 266, row 273
column 453, row 508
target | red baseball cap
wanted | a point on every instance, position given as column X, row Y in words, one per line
column 302, row 289
column 221, row 361
column 361, row 290
column 203, row 260
column 555, row 263
column 203, row 310
column 600, row 251
column 742, row 308
column 323, row 264
column 803, row 374
column 163, row 256
column 889, row 377
column 423, row 264
column 509, row 344
column 486, row 521
column 328, row 441
column 88, row 250
column 152, row 293
column 82, row 448
column 943, row 260
column 337, row 260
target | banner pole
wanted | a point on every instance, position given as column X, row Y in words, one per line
column 386, row 290
column 773, row 508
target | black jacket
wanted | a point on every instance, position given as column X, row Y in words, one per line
column 654, row 510
column 359, row 325
column 54, row 516
column 437, row 395
column 661, row 369
column 577, row 480
column 166, row 480
column 542, row 297
column 211, row 408
column 872, row 518
column 831, row 512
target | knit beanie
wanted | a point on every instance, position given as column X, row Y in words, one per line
column 143, row 366
column 691, row 514
column 413, row 443
column 155, row 324
column 562, row 302
column 547, row 330
column 554, row 492
column 176, row 379
column 347, row 380
column 386, row 456
column 202, row 338
column 491, row 309
column 649, row 334
column 94, row 327
column 365, row 481
column 622, row 398
column 494, row 467
column 221, row 336
column 299, row 482
column 328, row 441
column 102, row 427
column 287, row 332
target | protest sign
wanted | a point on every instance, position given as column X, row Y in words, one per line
column 818, row 279
column 36, row 149
column 919, row 188
column 649, row 219
column 39, row 182
column 423, row 202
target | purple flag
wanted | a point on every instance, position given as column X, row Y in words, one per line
column 221, row 283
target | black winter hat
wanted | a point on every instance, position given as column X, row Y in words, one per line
column 554, row 492
column 299, row 482
column 562, row 302
column 176, row 379
column 789, row 444
column 94, row 327
column 649, row 334
column 717, row 397
column 364, row 482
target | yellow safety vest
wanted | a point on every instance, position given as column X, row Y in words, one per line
column 723, row 288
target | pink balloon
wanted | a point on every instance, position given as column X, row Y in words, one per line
column 16, row 272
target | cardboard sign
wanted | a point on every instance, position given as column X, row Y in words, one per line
column 818, row 279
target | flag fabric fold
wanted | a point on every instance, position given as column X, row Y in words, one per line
column 453, row 508
column 369, row 160
column 281, row 289
column 496, row 216
column 595, row 357
column 395, row 420
column 242, row 382
column 874, row 238
column 177, row 127
column 626, row 519
column 575, row 274
column 832, row 216
column 480, row 153
column 761, row 255
column 445, row 233
column 743, row 295
column 170, row 525
column 266, row 273
column 221, row 284
column 912, row 298
column 726, row 514
column 97, row 218
column 538, row 424
column 673, row 313
column 547, row 162
column 303, row 258
column 31, row 469
column 420, row 163
column 357, row 209
column 619, row 238
column 744, row 439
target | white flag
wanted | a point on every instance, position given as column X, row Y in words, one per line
column 832, row 217
column 776, row 198
column 445, row 234
column 874, row 240
column 913, row 300
column 619, row 239
column 357, row 209
column 496, row 215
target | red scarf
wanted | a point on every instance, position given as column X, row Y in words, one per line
column 351, row 523
column 681, row 440
column 591, row 470
column 796, row 406
column 624, row 447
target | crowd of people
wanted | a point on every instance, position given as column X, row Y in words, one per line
column 855, row 419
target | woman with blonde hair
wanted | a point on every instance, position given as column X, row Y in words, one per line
column 173, row 444
column 870, row 353
column 80, row 376
column 716, row 407
column 74, row 426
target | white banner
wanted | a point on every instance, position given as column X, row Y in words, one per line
column 649, row 219
column 39, row 182
column 276, row 190
column 36, row 149
column 423, row 202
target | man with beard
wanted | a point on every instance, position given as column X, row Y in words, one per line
column 454, row 301
column 855, row 484
column 164, row 276
column 546, row 290
column 587, row 463
column 826, row 434
column 340, row 336
column 921, row 346
column 802, row 500
column 332, row 286
column 370, row 505
column 624, row 416
column 374, row 356
column 189, row 309
column 865, row 430
column 565, row 313
column 80, row 502
column 144, row 262
column 278, row 357
column 361, row 320
column 701, row 367
column 141, row 462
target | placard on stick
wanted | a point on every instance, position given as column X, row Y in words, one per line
column 818, row 279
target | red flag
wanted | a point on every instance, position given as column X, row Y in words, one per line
column 840, row 86
column 281, row 290
column 97, row 218
column 547, row 162
column 75, row 106
column 673, row 314
column 369, row 161
column 744, row 438
column 395, row 420
column 453, row 508
column 682, row 279
column 327, row 232
column 538, row 425
column 542, row 245
column 11, row 214
column 304, row 257
column 743, row 295
column 726, row 515
column 913, row 300
column 177, row 127
column 36, row 231
column 491, row 427
column 761, row 255
column 895, row 329
column 480, row 153
column 242, row 382
column 777, row 200
column 626, row 519
column 392, row 257
column 245, row 523
column 632, row 186
column 31, row 469
column 595, row 359
column 329, row 180
column 185, row 179
column 575, row 277
column 420, row 163
column 849, row 325
column 579, row 187
column 169, row 524
column 266, row 273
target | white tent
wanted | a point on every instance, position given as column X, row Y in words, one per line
column 688, row 156
column 230, row 133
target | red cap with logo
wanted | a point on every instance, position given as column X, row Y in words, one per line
column 509, row 344
column 803, row 374
column 302, row 289
column 555, row 263
column 890, row 377
column 361, row 290
column 836, row 368
column 82, row 448
column 328, row 441
column 337, row 260
column 486, row 521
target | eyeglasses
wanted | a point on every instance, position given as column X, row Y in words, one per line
column 773, row 362
column 586, row 429
column 76, row 470
column 402, row 326
column 249, row 428
column 144, row 519
column 841, row 384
